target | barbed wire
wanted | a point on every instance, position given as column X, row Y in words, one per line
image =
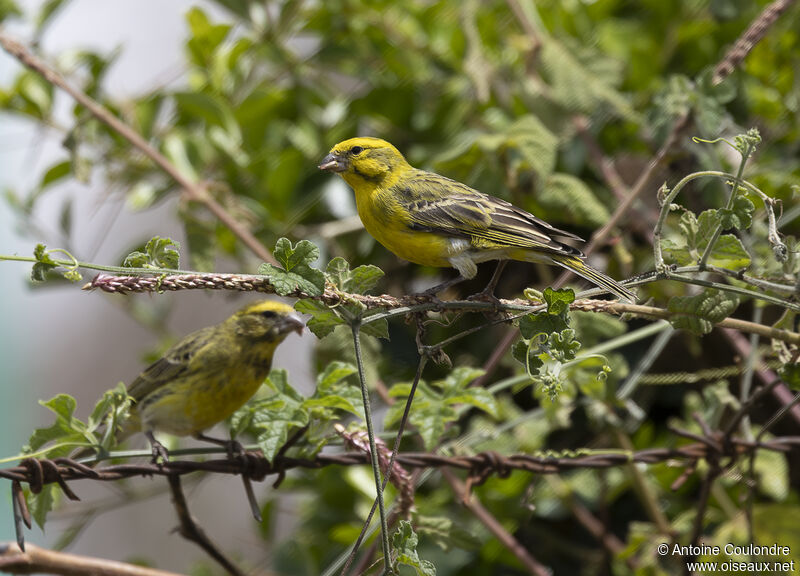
column 37, row 472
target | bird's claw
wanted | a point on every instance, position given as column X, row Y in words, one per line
column 159, row 451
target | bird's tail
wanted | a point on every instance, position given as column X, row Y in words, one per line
column 595, row 277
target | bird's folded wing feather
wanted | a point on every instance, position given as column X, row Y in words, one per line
column 176, row 362
column 464, row 212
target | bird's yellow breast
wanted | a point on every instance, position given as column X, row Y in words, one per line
column 387, row 222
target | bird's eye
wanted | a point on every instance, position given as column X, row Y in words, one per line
column 356, row 150
column 268, row 314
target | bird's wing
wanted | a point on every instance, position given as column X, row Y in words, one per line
column 176, row 362
column 438, row 204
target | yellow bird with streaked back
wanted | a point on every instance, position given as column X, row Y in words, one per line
column 431, row 220
column 209, row 374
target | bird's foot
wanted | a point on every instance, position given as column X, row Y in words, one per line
column 485, row 296
column 158, row 449
column 232, row 447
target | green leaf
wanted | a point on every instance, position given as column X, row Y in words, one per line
column 205, row 37
column 433, row 406
column 271, row 414
column 729, row 252
column 334, row 392
column 740, row 216
column 55, row 173
column 404, row 550
column 42, row 503
column 699, row 313
column 358, row 281
column 553, row 319
column 297, row 275
column 377, row 329
column 63, row 405
column 790, row 374
column 46, row 13
column 558, row 301
column 158, row 253
column 44, row 263
column 323, row 319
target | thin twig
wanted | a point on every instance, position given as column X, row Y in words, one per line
column 374, row 458
column 747, row 41
column 781, row 391
column 193, row 190
column 190, row 530
column 35, row 560
column 471, row 503
column 389, row 469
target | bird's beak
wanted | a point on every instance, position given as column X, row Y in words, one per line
column 332, row 163
column 292, row 323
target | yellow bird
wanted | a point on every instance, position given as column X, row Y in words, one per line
column 431, row 220
column 208, row 375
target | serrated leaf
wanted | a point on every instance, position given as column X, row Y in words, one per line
column 270, row 418
column 532, row 325
column 358, row 281
column 558, row 301
column 740, row 216
column 404, row 550
column 323, row 319
column 699, row 313
column 297, row 273
column 63, row 405
column 158, row 253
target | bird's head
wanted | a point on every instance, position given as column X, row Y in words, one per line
column 266, row 320
column 364, row 161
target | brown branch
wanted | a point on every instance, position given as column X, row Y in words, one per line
column 781, row 391
column 747, row 41
column 37, row 560
column 193, row 190
column 471, row 503
column 190, row 530
column 405, row 304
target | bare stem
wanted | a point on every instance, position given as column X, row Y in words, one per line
column 37, row 560
column 190, row 530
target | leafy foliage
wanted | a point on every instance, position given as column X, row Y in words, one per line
column 434, row 406
column 558, row 107
column 158, row 253
column 297, row 274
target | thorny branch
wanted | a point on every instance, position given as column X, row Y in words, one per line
column 479, row 466
column 398, row 305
